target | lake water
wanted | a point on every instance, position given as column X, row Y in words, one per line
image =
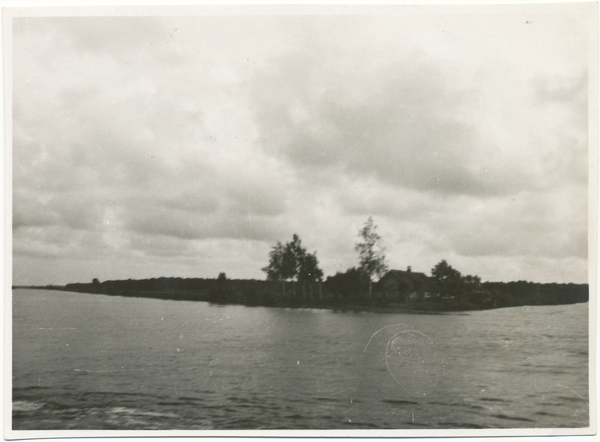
column 83, row 361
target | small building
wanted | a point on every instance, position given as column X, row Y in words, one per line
column 405, row 286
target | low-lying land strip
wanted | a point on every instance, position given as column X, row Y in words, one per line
column 328, row 296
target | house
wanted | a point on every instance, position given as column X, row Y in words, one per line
column 405, row 286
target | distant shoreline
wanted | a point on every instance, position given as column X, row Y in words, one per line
column 253, row 293
column 392, row 307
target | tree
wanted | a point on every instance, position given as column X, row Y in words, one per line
column 96, row 284
column 309, row 271
column 371, row 253
column 292, row 259
column 218, row 292
column 447, row 278
column 443, row 272
column 285, row 262
column 471, row 281
column 275, row 269
column 346, row 286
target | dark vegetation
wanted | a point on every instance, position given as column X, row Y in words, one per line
column 531, row 293
column 347, row 290
column 294, row 279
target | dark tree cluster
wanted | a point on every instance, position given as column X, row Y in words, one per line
column 193, row 289
column 349, row 286
column 469, row 291
column 532, row 293
column 292, row 262
column 451, row 283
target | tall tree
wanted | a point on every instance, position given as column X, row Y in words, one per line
column 371, row 253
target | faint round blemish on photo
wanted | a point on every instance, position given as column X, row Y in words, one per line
column 411, row 359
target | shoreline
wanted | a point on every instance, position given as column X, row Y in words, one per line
column 422, row 308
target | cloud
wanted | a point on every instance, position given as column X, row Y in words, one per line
column 147, row 148
column 169, row 145
column 409, row 125
column 531, row 224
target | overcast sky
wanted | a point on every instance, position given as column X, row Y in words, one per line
column 169, row 146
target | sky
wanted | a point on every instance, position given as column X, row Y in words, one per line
column 186, row 146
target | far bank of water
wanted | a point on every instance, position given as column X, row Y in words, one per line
column 83, row 361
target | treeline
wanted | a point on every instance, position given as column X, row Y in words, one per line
column 350, row 288
column 266, row 293
column 531, row 293
column 194, row 289
column 468, row 290
column 219, row 290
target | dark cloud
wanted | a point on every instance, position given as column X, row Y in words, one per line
column 408, row 127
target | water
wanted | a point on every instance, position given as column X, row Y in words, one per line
column 83, row 361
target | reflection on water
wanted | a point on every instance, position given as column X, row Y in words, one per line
column 84, row 361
